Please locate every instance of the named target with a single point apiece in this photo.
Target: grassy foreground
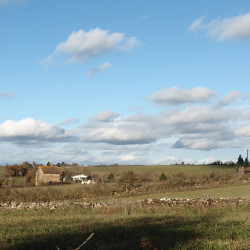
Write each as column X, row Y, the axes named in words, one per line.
column 143, row 228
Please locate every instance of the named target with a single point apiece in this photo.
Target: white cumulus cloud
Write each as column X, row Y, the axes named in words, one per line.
column 176, row 96
column 83, row 45
column 129, row 130
column 30, row 129
column 237, row 27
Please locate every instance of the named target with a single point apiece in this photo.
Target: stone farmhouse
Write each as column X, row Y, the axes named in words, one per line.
column 47, row 175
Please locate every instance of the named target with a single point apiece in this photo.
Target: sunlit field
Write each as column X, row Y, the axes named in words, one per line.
column 158, row 169
column 158, row 227
column 124, row 218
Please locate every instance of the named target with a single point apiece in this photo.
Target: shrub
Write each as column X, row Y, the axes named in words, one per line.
column 18, row 169
column 111, row 177
column 163, row 177
column 128, row 179
column 66, row 176
column 31, row 176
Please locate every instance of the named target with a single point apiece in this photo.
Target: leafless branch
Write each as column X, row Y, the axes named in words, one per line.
column 85, row 241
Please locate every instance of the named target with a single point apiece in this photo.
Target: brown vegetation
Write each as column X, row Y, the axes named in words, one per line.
column 126, row 184
column 17, row 170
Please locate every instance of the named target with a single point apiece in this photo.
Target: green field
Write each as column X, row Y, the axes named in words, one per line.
column 162, row 228
column 157, row 169
column 225, row 192
column 242, row 191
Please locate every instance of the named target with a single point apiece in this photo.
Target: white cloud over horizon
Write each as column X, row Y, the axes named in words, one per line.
column 237, row 27
column 166, row 160
column 200, row 125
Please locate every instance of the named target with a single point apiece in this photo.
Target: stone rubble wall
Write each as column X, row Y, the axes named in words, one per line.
column 49, row 205
column 169, row 202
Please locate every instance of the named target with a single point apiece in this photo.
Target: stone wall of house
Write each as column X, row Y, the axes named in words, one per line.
column 42, row 178
column 50, row 178
column 39, row 176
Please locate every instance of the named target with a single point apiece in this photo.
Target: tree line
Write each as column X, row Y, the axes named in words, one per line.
column 17, row 170
column 243, row 163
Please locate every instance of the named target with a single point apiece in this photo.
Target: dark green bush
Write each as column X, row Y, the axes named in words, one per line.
column 163, row 177
column 111, row 177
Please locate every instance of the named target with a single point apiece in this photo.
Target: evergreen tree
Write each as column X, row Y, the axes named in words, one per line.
column 246, row 162
column 240, row 161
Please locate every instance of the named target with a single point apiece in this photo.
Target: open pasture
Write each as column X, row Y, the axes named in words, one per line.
column 242, row 191
column 218, row 192
column 232, row 191
column 156, row 169
column 158, row 227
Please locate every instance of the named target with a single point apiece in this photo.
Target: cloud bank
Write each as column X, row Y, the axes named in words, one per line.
column 204, row 123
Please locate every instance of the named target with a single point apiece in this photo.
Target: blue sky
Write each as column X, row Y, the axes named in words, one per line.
column 128, row 82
